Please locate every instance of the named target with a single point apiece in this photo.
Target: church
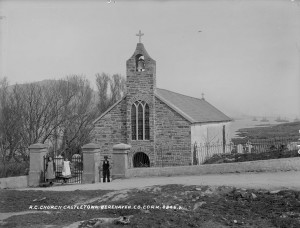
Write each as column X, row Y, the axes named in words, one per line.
column 161, row 126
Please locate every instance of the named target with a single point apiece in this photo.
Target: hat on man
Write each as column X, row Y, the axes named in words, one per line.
column 105, row 156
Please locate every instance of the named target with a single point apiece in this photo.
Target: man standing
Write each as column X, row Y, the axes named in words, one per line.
column 106, row 169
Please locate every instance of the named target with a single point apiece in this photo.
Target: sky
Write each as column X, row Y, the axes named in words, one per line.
column 244, row 55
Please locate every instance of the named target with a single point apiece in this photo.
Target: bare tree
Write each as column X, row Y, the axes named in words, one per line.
column 117, row 88
column 110, row 90
column 10, row 121
column 59, row 111
column 81, row 111
column 43, row 111
column 102, row 81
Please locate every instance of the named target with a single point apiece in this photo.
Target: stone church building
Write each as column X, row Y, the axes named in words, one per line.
column 160, row 125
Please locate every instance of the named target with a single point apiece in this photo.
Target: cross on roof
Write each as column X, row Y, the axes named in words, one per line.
column 140, row 35
column 202, row 95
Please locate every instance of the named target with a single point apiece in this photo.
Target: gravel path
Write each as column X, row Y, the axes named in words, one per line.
column 270, row 181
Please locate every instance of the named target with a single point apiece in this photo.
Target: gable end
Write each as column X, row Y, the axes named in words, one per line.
column 108, row 110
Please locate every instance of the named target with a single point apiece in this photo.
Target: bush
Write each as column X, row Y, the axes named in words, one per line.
column 13, row 169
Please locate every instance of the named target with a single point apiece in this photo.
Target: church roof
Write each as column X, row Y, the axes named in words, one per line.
column 193, row 109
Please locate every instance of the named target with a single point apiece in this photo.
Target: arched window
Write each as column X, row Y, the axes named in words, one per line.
column 140, row 129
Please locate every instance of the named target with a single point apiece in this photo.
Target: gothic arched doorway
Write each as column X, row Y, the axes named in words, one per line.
column 141, row 159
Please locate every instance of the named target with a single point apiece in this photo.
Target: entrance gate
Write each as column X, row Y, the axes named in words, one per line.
column 76, row 167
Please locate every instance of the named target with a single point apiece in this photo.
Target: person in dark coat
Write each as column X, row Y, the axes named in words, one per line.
column 106, row 169
column 50, row 170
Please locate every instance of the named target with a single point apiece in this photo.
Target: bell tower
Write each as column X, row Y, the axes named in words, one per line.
column 140, row 85
column 141, row 71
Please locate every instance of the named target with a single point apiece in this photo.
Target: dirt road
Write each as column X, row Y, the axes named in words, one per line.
column 270, row 181
column 203, row 206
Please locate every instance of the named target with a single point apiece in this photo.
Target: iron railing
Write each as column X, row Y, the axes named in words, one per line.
column 76, row 166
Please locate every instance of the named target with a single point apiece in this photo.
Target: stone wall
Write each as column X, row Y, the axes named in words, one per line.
column 111, row 129
column 14, row 182
column 273, row 165
column 141, row 86
column 145, row 146
column 173, row 137
column 170, row 133
column 170, row 139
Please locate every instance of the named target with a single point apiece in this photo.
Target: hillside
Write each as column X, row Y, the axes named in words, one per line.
column 285, row 130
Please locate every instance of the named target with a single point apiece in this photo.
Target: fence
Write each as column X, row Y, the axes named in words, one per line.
column 206, row 151
column 76, row 168
column 201, row 152
column 197, row 154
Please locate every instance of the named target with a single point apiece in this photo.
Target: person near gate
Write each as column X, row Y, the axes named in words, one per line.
column 66, row 171
column 106, row 169
column 50, row 170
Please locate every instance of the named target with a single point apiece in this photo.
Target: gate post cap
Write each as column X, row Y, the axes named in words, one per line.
column 121, row 146
column 91, row 146
column 38, row 146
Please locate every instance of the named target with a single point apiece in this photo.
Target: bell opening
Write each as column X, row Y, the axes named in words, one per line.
column 140, row 63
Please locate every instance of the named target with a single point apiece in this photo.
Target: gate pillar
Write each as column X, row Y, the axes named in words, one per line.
column 91, row 162
column 36, row 163
column 120, row 160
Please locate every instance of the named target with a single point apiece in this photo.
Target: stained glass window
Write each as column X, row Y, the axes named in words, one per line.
column 147, row 127
column 140, row 121
column 133, row 122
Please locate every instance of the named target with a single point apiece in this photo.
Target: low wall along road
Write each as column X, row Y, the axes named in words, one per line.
column 272, row 165
column 14, row 182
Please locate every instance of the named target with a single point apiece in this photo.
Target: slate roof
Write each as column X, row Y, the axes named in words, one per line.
column 194, row 109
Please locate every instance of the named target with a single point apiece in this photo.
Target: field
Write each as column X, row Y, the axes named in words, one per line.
column 285, row 130
column 269, row 142
column 196, row 206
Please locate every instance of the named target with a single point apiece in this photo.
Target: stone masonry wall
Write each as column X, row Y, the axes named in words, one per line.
column 173, row 137
column 273, row 165
column 111, row 129
column 141, row 86
column 170, row 134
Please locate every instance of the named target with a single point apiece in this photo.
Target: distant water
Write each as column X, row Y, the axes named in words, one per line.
column 249, row 123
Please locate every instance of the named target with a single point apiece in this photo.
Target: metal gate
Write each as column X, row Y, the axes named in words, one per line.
column 76, row 167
